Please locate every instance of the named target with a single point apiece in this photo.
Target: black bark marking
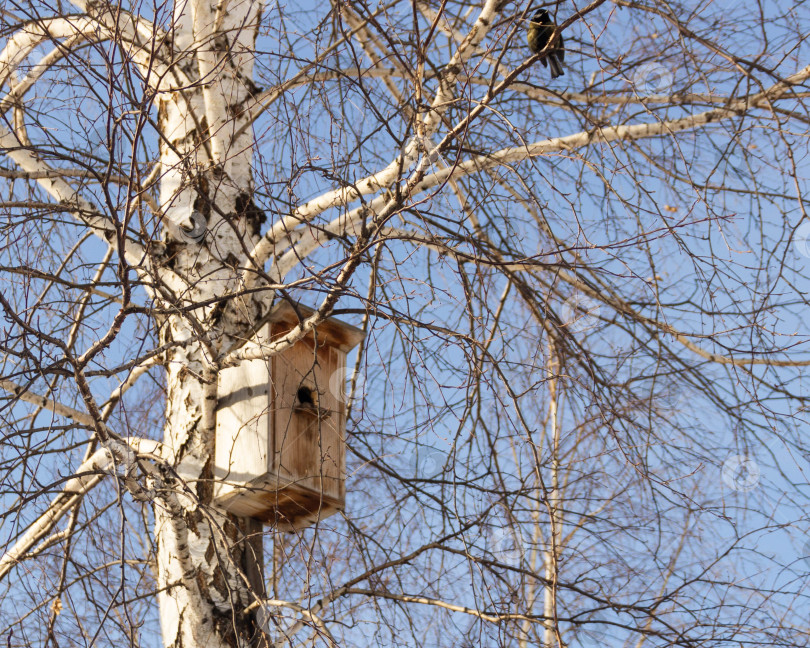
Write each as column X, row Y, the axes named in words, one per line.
column 247, row 209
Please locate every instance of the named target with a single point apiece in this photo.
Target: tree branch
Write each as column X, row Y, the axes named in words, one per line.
column 89, row 474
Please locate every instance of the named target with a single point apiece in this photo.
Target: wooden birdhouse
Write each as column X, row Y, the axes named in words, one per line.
column 280, row 435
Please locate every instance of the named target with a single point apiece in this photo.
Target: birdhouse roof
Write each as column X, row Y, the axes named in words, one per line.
column 332, row 331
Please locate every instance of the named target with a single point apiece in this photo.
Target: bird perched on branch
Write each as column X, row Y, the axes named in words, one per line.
column 540, row 30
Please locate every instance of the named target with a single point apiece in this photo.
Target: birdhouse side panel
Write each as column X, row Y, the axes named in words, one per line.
column 243, row 425
column 336, row 399
column 330, row 379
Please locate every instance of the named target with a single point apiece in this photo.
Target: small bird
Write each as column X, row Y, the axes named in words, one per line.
column 540, row 30
column 304, row 396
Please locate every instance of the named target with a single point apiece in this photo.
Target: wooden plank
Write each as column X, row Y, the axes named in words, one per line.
column 339, row 394
column 289, row 506
column 243, row 425
column 308, row 447
column 332, row 331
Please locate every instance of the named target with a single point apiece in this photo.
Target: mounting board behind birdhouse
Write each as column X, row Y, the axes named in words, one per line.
column 280, row 440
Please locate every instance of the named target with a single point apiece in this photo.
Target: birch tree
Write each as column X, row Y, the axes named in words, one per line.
column 578, row 416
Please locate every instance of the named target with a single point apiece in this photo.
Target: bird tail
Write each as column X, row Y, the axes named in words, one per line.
column 556, row 66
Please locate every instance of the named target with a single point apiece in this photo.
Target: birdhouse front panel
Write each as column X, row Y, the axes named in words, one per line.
column 308, row 441
column 280, row 442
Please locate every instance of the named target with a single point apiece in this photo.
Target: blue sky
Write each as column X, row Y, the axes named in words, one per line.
column 631, row 211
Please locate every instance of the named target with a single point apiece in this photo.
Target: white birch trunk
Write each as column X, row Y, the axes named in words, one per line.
column 206, row 194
